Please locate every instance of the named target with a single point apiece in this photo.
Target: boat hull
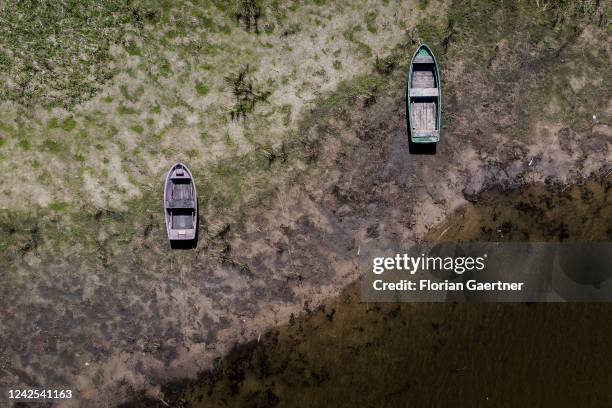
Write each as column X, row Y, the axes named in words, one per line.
column 180, row 204
column 423, row 97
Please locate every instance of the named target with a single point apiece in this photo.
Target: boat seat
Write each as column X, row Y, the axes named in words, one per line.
column 423, row 60
column 181, row 204
column 423, row 133
column 424, row 92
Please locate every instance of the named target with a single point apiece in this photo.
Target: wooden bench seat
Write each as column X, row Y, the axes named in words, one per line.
column 423, row 60
column 182, row 203
column 423, row 133
column 423, row 78
column 424, row 92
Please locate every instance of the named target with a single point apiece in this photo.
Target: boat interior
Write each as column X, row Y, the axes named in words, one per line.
column 423, row 95
column 181, row 203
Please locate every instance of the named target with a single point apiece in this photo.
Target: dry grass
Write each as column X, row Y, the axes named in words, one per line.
column 147, row 81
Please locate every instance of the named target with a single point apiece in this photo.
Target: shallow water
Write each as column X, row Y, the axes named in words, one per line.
column 538, row 213
column 348, row 353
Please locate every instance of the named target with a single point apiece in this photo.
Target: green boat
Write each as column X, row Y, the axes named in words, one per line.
column 423, row 100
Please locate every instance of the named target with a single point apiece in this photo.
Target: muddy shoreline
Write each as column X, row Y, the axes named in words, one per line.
column 357, row 353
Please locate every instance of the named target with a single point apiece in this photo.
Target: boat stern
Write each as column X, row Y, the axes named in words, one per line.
column 425, row 136
column 181, row 235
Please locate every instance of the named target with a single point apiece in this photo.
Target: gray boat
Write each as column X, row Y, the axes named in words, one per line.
column 180, row 204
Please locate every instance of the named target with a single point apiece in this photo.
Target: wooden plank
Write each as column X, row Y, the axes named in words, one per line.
column 423, row 79
column 182, row 191
column 423, row 60
column 423, row 116
column 423, row 91
column 423, row 133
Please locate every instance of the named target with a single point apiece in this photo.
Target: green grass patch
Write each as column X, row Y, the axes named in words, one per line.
column 69, row 124
column 286, row 112
column 351, row 33
column 53, row 123
column 58, row 206
column 348, row 91
column 7, row 128
column 131, row 96
column 126, row 110
column 202, row 89
column 137, row 128
column 25, row 144
column 370, row 21
column 64, row 45
column 165, row 69
column 132, row 48
column 52, row 145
